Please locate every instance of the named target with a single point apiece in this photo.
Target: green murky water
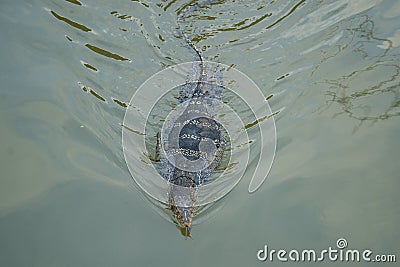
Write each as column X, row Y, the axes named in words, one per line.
column 68, row 69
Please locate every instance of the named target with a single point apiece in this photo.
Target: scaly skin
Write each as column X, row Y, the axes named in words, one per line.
column 201, row 144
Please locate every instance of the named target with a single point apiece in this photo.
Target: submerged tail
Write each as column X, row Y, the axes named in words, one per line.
column 184, row 12
column 200, row 72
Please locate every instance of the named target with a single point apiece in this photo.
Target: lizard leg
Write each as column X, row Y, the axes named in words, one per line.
column 158, row 147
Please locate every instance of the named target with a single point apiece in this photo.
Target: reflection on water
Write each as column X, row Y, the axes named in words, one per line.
column 329, row 69
column 369, row 90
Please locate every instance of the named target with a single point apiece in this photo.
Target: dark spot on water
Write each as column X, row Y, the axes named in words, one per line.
column 282, row 77
column 87, row 65
column 132, row 130
column 286, row 15
column 76, row 2
column 251, row 124
column 97, row 95
column 122, row 104
column 121, row 16
column 83, row 87
column 70, row 22
column 105, row 53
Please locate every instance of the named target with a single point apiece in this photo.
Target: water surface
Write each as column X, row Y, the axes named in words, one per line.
column 68, row 69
